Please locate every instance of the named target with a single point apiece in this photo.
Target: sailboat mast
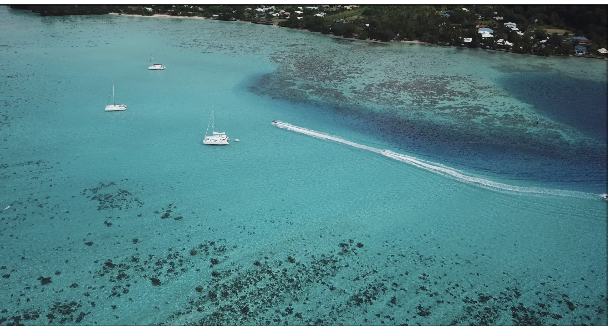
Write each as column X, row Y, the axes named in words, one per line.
column 113, row 100
column 213, row 124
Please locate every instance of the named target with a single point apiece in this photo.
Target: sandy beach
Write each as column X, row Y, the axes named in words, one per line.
column 157, row 16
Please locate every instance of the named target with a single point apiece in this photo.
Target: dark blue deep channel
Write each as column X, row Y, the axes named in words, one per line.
column 575, row 102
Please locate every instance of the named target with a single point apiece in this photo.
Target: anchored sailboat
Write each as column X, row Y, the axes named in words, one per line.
column 216, row 138
column 115, row 107
column 155, row 66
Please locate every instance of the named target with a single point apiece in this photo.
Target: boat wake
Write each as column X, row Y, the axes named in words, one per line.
column 440, row 169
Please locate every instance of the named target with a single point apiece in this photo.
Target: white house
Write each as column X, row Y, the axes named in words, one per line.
column 467, row 39
column 321, row 14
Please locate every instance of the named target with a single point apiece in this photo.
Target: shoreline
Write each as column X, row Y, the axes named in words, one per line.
column 345, row 38
column 157, row 16
column 273, row 25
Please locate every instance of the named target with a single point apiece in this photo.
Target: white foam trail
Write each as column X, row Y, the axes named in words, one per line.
column 439, row 169
column 321, row 135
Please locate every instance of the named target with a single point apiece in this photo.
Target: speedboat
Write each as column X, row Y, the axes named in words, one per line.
column 604, row 196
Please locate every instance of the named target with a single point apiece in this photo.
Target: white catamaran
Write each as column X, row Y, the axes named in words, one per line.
column 216, row 138
column 115, row 107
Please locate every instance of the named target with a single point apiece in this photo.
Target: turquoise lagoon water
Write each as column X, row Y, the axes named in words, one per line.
column 492, row 215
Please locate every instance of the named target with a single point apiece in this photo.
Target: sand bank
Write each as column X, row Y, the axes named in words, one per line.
column 157, row 16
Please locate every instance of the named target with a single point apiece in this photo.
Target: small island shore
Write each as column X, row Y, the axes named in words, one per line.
column 275, row 25
column 334, row 36
column 536, row 30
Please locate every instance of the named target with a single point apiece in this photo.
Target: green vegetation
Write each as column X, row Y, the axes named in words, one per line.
column 348, row 15
column 435, row 24
column 450, row 25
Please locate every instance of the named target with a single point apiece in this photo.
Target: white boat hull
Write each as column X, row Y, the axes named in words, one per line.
column 116, row 107
column 216, row 140
column 156, row 66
